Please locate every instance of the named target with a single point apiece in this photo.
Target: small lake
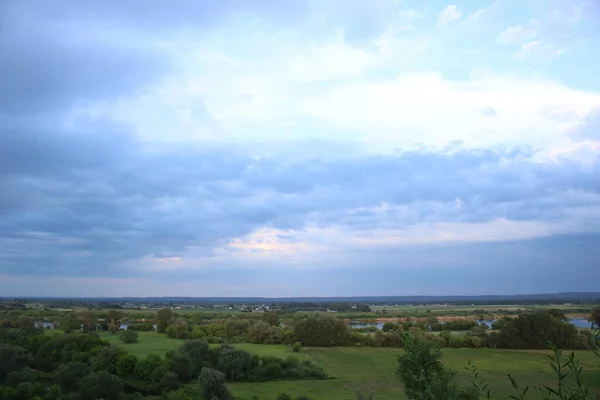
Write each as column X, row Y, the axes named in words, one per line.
column 44, row 325
column 578, row 322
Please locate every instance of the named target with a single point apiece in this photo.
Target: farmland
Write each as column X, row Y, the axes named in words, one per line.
column 373, row 368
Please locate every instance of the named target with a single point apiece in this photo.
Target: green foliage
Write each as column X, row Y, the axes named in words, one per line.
column 297, row 347
column 113, row 327
column 424, row 376
column 198, row 351
column 126, row 365
column 146, row 366
column 263, row 332
column 141, row 327
column 100, row 385
column 163, row 317
column 12, row 358
column 537, row 331
column 107, row 359
column 271, row 318
column 595, row 317
column 53, row 392
column 128, row 336
column 68, row 375
column 283, row 396
column 568, row 380
column 69, row 325
column 183, row 366
column 322, row 331
column 213, row 385
column 168, row 381
column 178, row 330
column 235, row 364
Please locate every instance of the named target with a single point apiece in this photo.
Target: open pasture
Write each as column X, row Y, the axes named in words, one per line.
column 374, row 368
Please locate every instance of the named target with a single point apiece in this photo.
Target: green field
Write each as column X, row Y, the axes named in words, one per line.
column 148, row 343
column 374, row 368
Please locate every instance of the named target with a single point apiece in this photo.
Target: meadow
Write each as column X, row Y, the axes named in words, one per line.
column 374, row 368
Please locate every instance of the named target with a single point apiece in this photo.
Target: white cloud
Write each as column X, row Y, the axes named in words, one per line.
column 540, row 49
column 450, row 14
column 517, row 34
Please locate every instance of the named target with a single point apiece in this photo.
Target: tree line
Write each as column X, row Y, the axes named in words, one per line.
column 80, row 366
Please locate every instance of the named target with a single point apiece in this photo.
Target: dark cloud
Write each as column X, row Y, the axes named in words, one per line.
column 47, row 66
column 77, row 200
column 70, row 52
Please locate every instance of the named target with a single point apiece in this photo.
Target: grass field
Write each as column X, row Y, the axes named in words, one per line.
column 148, row 343
column 374, row 368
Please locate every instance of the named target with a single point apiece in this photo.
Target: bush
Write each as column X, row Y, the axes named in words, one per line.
column 100, row 385
column 213, row 385
column 297, row 347
column 126, row 365
column 424, row 376
column 146, row 366
column 128, row 336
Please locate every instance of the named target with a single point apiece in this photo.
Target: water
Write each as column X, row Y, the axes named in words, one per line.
column 578, row 322
column 44, row 325
column 379, row 326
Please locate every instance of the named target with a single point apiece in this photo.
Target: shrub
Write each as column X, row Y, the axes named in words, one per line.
column 128, row 336
column 297, row 347
column 126, row 365
column 213, row 385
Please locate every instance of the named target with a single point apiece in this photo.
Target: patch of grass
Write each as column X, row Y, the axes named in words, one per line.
column 374, row 368
column 148, row 343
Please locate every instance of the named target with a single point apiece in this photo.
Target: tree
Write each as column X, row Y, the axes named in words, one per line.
column 197, row 350
column 235, row 364
column 213, row 385
column 424, row 376
column 89, row 320
column 163, row 317
column 68, row 375
column 322, row 331
column 146, row 366
column 536, row 331
column 179, row 329
column 167, row 382
column 128, row 336
column 69, row 325
column 126, row 365
column 183, row 366
column 595, row 317
column 113, row 327
column 107, row 359
column 558, row 314
column 271, row 318
column 12, row 358
column 114, row 315
column 101, row 385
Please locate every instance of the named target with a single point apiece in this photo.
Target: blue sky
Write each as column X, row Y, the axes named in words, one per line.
column 301, row 148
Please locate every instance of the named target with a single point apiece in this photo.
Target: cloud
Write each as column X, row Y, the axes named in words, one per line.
column 226, row 145
column 187, row 207
column 518, row 34
column 449, row 14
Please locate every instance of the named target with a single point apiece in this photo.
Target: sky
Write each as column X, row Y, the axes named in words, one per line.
column 299, row 148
